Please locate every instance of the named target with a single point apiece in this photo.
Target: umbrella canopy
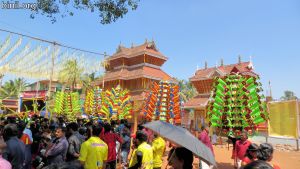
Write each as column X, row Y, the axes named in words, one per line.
column 182, row 137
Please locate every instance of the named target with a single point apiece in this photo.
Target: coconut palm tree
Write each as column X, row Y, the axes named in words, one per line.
column 187, row 90
column 86, row 81
column 71, row 74
column 12, row 88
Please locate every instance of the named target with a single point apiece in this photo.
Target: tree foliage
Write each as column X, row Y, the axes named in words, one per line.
column 288, row 95
column 86, row 81
column 109, row 10
column 71, row 74
column 187, row 90
column 12, row 88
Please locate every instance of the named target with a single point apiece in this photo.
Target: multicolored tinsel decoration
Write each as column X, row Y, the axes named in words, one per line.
column 93, row 101
column 163, row 103
column 116, row 104
column 235, row 104
column 67, row 104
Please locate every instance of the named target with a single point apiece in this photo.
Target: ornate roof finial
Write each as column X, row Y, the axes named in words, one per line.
column 250, row 66
column 222, row 62
column 119, row 48
column 240, row 59
column 205, row 65
column 146, row 40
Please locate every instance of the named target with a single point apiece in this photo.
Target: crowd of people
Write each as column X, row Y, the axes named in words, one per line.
column 40, row 143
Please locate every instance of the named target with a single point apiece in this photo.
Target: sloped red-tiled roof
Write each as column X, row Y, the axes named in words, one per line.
column 243, row 68
column 146, row 48
column 198, row 101
column 127, row 74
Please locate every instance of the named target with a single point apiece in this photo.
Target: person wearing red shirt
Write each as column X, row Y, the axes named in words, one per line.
column 241, row 147
column 205, row 139
column 110, row 139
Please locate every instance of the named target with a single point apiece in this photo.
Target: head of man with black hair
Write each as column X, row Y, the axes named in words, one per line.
column 60, row 132
column 140, row 127
column 258, row 164
column 140, row 138
column 107, row 127
column 244, row 136
column 72, row 127
column 265, row 152
column 96, row 130
column 181, row 158
column 252, row 151
column 10, row 130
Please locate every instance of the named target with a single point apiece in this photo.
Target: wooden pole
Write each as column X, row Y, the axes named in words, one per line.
column 298, row 124
column 267, row 134
column 134, row 129
column 51, row 78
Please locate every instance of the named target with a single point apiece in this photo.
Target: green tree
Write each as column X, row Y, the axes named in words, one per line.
column 71, row 74
column 109, row 10
column 12, row 88
column 87, row 80
column 187, row 90
column 288, row 95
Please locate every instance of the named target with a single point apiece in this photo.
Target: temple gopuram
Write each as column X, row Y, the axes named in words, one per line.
column 134, row 68
column 196, row 108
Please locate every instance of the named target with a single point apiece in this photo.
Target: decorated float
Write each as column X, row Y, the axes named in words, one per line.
column 236, row 104
column 67, row 104
column 114, row 104
column 163, row 103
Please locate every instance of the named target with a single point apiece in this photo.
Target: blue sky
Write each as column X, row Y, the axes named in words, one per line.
column 189, row 33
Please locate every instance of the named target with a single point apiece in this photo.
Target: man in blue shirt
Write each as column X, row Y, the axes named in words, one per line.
column 58, row 150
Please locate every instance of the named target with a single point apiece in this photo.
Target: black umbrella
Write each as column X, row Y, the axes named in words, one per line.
column 182, row 137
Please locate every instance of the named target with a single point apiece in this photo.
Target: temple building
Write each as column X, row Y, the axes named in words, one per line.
column 196, row 108
column 134, row 68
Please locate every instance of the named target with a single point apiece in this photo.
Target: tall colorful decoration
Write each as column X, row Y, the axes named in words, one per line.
column 116, row 104
column 93, row 101
column 236, row 105
column 163, row 103
column 67, row 104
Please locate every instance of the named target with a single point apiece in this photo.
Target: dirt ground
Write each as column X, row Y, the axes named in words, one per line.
column 286, row 160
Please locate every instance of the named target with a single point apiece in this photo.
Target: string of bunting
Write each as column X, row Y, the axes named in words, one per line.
column 32, row 58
